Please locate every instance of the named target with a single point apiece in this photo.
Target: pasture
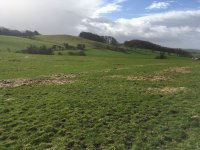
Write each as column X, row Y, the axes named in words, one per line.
column 104, row 100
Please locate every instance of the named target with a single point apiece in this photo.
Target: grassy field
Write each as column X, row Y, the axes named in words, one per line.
column 105, row 100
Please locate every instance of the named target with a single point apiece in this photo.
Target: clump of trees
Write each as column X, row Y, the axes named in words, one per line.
column 80, row 52
column 32, row 49
column 80, row 46
column 66, row 46
column 95, row 37
column 57, row 48
column 9, row 32
column 154, row 47
column 44, row 50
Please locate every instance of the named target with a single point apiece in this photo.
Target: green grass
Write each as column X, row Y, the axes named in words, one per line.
column 99, row 110
column 11, row 43
column 72, row 40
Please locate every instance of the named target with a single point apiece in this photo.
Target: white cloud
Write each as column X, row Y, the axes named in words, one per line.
column 175, row 28
column 109, row 8
column 159, row 5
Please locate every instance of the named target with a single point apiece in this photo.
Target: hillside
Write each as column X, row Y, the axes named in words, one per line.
column 72, row 40
column 155, row 47
column 13, row 43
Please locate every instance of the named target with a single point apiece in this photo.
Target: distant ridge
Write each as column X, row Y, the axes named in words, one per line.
column 10, row 32
column 155, row 47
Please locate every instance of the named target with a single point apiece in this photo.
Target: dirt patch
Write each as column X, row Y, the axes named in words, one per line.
column 142, row 78
column 10, row 99
column 167, row 90
column 121, row 68
column 139, row 65
column 106, row 70
column 115, row 68
column 58, row 79
column 148, row 78
column 182, row 70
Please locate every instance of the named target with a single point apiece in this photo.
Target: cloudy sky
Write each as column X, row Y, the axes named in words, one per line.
column 174, row 23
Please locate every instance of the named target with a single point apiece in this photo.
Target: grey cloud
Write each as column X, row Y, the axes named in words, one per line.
column 47, row 16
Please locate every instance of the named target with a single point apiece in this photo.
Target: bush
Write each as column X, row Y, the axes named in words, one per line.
column 69, row 47
column 57, row 48
column 32, row 49
column 80, row 53
column 59, row 53
column 80, row 46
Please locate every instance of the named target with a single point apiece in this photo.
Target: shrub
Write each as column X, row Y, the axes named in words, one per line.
column 69, row 47
column 57, row 48
column 80, row 53
column 32, row 49
column 59, row 53
column 80, row 46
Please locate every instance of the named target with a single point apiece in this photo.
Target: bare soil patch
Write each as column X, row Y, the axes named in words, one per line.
column 167, row 90
column 182, row 70
column 115, row 68
column 142, row 78
column 139, row 65
column 57, row 79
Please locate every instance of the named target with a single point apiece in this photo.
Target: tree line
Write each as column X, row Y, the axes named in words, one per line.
column 154, row 47
column 44, row 50
column 103, row 39
column 9, row 32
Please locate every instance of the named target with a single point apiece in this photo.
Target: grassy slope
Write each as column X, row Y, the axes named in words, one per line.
column 18, row 43
column 72, row 40
column 97, row 111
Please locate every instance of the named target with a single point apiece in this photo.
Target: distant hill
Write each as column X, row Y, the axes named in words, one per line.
column 10, row 32
column 72, row 40
column 9, row 40
column 155, row 47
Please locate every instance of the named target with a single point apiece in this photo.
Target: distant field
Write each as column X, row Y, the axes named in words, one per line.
column 105, row 100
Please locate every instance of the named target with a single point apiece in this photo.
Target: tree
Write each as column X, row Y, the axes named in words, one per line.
column 110, row 40
column 92, row 36
column 80, row 46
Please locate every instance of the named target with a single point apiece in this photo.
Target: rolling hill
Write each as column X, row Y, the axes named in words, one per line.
column 14, row 43
column 72, row 40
